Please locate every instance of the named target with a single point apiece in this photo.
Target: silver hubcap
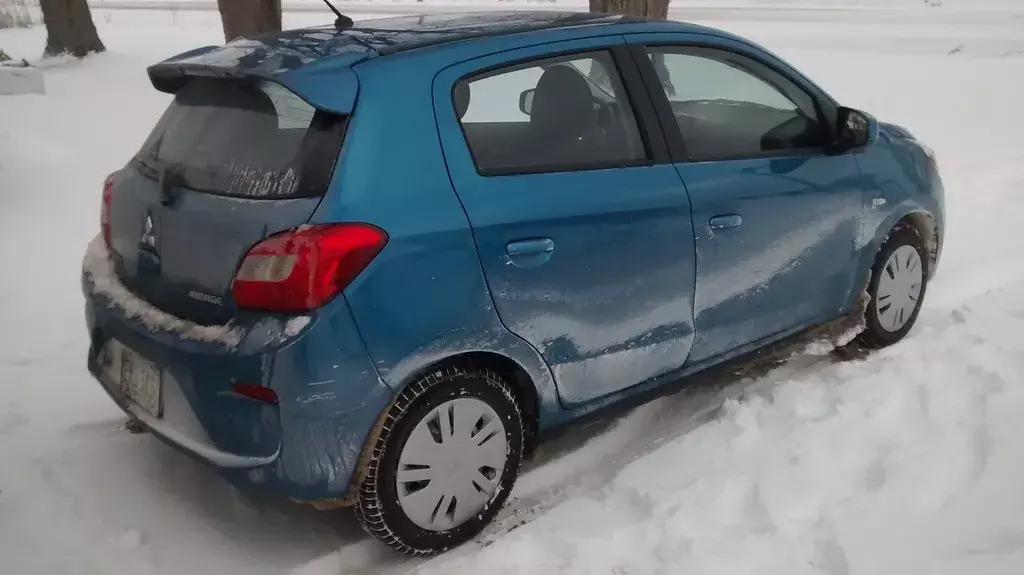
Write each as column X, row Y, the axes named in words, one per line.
column 899, row 288
column 451, row 464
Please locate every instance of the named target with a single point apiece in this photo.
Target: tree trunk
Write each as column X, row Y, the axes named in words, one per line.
column 69, row 28
column 249, row 17
column 655, row 9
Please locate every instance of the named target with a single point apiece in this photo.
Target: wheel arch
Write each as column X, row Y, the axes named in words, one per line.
column 916, row 218
column 913, row 230
column 924, row 223
column 528, row 396
column 912, row 215
column 523, row 386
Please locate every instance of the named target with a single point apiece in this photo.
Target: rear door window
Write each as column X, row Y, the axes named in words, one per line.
column 552, row 115
column 243, row 138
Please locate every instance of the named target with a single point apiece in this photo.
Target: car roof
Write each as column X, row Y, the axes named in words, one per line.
column 296, row 58
column 398, row 34
column 289, row 50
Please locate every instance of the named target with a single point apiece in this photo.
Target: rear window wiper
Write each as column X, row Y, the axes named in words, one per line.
column 170, row 178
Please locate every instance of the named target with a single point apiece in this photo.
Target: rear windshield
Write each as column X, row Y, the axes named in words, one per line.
column 243, row 138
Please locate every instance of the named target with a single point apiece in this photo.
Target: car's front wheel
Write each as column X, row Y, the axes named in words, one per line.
column 897, row 288
column 444, row 463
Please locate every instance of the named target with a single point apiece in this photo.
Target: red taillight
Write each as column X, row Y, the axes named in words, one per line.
column 108, row 191
column 253, row 391
column 302, row 269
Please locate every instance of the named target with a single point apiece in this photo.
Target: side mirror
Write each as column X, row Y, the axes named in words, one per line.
column 853, row 128
column 526, row 101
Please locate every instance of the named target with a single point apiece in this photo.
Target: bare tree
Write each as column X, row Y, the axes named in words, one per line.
column 69, row 28
column 657, row 9
column 14, row 14
column 249, row 17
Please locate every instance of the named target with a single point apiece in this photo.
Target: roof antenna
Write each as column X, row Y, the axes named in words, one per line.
column 342, row 22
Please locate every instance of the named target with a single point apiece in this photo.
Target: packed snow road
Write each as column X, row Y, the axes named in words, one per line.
column 904, row 462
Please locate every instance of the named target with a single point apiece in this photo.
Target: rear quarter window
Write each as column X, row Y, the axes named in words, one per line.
column 243, row 138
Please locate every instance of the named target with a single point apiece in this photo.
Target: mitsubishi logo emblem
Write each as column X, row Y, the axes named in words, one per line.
column 149, row 232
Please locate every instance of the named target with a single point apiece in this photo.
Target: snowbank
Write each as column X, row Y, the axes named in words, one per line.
column 793, row 477
column 19, row 80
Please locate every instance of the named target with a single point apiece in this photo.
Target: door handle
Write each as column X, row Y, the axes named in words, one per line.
column 530, row 247
column 729, row 221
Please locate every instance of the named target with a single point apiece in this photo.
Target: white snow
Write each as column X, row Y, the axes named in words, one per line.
column 821, row 471
column 17, row 80
column 904, row 462
column 296, row 324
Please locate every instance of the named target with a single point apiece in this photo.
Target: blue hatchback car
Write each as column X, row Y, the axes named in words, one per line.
column 367, row 263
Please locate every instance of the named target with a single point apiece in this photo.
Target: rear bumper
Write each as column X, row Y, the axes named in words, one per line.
column 178, row 424
column 307, row 446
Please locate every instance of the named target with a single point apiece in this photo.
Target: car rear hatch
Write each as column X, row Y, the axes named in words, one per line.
column 236, row 156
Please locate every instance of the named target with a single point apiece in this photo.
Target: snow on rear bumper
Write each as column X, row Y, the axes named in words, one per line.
column 306, row 447
column 99, row 280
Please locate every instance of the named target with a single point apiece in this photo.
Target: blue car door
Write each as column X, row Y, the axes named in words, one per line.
column 775, row 214
column 580, row 219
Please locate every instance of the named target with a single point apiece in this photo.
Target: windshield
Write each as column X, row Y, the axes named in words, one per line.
column 243, row 138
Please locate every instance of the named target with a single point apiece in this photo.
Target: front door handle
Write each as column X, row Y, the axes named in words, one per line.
column 729, row 221
column 530, row 253
column 530, row 247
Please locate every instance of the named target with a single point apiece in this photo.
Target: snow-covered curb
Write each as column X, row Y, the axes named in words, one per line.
column 99, row 270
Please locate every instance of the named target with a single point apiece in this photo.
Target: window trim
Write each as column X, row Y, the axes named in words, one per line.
column 674, row 136
column 645, row 117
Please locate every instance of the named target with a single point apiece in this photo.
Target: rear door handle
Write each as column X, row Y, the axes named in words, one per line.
column 530, row 247
column 729, row 221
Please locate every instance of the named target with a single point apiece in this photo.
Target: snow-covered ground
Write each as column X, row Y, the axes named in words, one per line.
column 906, row 462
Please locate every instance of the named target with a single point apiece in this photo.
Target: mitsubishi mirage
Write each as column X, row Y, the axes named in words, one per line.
column 367, row 264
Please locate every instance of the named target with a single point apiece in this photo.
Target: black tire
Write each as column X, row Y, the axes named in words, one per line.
column 377, row 506
column 875, row 336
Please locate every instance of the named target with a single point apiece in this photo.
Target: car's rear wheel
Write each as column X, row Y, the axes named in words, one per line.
column 899, row 278
column 444, row 463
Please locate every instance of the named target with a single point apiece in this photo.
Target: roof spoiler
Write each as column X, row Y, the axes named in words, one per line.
column 254, row 59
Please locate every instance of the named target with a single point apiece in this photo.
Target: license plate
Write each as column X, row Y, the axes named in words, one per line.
column 140, row 382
